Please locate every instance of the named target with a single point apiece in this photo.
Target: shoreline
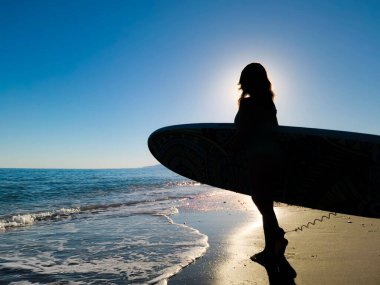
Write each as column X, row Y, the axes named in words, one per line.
column 218, row 217
column 339, row 250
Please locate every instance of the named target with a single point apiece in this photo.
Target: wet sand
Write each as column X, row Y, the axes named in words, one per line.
column 340, row 250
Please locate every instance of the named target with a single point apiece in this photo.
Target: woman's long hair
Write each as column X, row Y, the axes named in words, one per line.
column 254, row 82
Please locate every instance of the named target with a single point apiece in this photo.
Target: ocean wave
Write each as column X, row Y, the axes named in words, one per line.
column 187, row 257
column 183, row 183
column 94, row 225
column 22, row 220
column 131, row 253
column 158, row 207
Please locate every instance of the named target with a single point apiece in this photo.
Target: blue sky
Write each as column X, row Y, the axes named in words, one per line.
column 84, row 83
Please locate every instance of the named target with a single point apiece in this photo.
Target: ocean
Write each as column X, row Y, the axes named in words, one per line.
column 95, row 226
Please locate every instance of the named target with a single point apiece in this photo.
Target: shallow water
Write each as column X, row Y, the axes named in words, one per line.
column 95, row 226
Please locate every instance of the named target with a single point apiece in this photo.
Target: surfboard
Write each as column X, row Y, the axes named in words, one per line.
column 321, row 169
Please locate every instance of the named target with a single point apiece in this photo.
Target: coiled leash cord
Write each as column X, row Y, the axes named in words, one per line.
column 309, row 224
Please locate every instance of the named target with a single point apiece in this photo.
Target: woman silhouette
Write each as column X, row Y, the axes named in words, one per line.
column 255, row 122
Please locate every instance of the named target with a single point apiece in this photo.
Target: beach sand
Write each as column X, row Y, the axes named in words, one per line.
column 340, row 250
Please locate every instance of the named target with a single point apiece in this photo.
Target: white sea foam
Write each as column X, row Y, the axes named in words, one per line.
column 140, row 266
column 183, row 183
column 153, row 256
column 186, row 258
column 22, row 220
column 29, row 219
column 38, row 283
column 168, row 212
column 120, row 231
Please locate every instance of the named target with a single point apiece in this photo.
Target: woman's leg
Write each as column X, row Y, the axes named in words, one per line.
column 263, row 175
column 274, row 235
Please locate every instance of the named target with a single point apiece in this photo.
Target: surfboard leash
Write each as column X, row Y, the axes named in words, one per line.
column 309, row 224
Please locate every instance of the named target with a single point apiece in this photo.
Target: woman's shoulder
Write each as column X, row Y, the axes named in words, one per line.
column 252, row 102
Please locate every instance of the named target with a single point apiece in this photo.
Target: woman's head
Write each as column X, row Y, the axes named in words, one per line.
column 254, row 82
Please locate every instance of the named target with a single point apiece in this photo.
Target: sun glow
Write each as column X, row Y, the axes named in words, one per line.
column 224, row 92
column 281, row 75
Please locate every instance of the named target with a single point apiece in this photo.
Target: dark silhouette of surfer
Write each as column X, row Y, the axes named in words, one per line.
column 254, row 144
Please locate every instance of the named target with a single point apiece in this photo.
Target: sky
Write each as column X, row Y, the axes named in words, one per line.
column 84, row 83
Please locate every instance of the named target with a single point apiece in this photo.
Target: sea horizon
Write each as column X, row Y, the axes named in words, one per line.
column 76, row 168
